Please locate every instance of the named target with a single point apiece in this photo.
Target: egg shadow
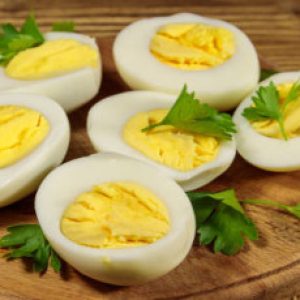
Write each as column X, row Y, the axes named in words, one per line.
column 100, row 287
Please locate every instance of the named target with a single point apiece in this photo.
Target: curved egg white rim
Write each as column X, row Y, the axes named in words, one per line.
column 117, row 168
column 59, row 126
column 106, row 130
column 261, row 151
column 7, row 83
column 144, row 30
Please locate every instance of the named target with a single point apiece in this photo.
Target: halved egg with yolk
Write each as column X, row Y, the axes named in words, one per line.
column 34, row 137
column 115, row 125
column 115, row 219
column 261, row 143
column 66, row 67
column 213, row 57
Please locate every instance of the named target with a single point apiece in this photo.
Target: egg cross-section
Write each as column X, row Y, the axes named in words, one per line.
column 213, row 57
column 119, row 222
column 34, row 137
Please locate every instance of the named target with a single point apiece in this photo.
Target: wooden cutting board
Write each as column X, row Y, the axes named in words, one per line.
column 266, row 269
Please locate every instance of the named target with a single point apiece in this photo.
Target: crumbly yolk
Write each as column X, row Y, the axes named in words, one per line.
column 52, row 58
column 271, row 128
column 116, row 215
column 174, row 148
column 192, row 46
column 21, row 131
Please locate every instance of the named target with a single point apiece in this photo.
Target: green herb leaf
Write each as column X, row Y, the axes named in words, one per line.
column 293, row 95
column 31, row 28
column 21, row 42
column 266, row 73
column 13, row 41
column 221, row 221
column 29, row 241
column 292, row 209
column 55, row 261
column 9, row 30
column 266, row 105
column 189, row 114
column 67, row 26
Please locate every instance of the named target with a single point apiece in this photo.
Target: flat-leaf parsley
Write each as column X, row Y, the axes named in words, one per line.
column 189, row 114
column 28, row 241
column 221, row 220
column 266, row 105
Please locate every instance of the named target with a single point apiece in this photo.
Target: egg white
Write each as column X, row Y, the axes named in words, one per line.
column 223, row 86
column 21, row 178
column 71, row 89
column 106, row 121
column 265, row 152
column 126, row 266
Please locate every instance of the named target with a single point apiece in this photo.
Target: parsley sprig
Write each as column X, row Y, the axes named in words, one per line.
column 13, row 41
column 189, row 114
column 266, row 73
column 292, row 209
column 67, row 26
column 222, row 221
column 266, row 105
column 28, row 241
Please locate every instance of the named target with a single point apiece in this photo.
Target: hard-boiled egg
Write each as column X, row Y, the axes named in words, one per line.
column 66, row 67
column 34, row 137
column 121, row 266
column 261, row 143
column 213, row 57
column 191, row 160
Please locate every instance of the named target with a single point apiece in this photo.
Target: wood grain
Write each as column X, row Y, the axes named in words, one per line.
column 268, row 269
column 273, row 26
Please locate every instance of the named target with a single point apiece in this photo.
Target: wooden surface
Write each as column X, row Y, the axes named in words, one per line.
column 266, row 269
column 273, row 25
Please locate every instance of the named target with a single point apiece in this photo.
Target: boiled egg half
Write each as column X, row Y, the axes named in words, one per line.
column 34, row 137
column 214, row 58
column 115, row 219
column 66, row 67
column 115, row 125
column 261, row 143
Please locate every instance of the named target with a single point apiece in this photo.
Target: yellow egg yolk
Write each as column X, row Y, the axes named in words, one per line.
column 174, row 148
column 291, row 115
column 116, row 215
column 192, row 46
column 52, row 58
column 21, row 131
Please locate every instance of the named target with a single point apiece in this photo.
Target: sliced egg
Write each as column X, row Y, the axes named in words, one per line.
column 69, row 78
column 34, row 137
column 121, row 266
column 213, row 57
column 108, row 118
column 266, row 149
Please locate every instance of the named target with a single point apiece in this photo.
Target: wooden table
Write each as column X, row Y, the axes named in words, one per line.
column 273, row 25
column 274, row 28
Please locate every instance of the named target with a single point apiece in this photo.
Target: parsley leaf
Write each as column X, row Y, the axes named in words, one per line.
column 68, row 26
column 13, row 41
column 266, row 73
column 267, row 105
column 292, row 209
column 29, row 241
column 293, row 94
column 221, row 220
column 31, row 28
column 189, row 114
